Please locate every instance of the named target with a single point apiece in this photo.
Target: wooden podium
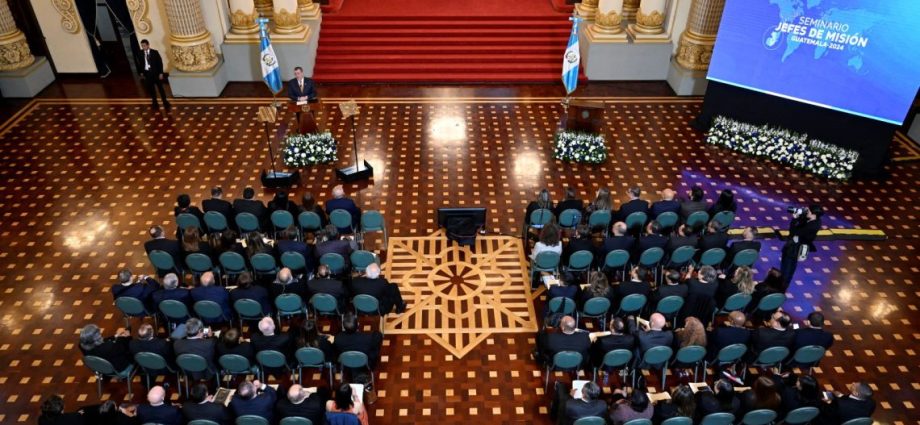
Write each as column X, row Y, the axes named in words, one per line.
column 306, row 117
column 585, row 116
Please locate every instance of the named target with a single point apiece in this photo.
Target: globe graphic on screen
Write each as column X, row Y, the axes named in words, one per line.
column 771, row 38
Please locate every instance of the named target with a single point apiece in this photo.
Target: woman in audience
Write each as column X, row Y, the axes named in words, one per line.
column 227, row 241
column 110, row 413
column 721, row 399
column 726, row 202
column 281, row 202
column 114, row 350
column 308, row 203
column 344, row 401
column 231, row 343
column 681, row 404
column 742, row 282
column 192, row 243
column 53, row 413
column 637, row 406
column 802, row 391
column 598, row 287
column 693, row 333
column 543, row 201
column 601, row 202
column 550, row 240
column 763, row 395
column 255, row 244
column 695, row 203
column 308, row 335
column 771, row 284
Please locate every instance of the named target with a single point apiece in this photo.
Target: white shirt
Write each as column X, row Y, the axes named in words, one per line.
column 147, row 60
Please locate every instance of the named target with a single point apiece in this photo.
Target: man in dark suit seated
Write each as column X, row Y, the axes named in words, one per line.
column 286, row 283
column 248, row 204
column 171, row 291
column 303, row 403
column 634, row 205
column 637, row 284
column 666, row 204
column 618, row 240
column 776, row 333
column 140, row 287
column 201, row 406
column 199, row 343
column 301, row 88
column 574, row 405
column 714, row 238
column 651, row 334
column 158, row 242
column 322, row 283
column 114, row 349
column 340, row 202
column 569, row 339
column 694, row 204
column 386, row 293
column 254, row 398
column 147, row 342
column 617, row 339
column 747, row 242
column 247, row 290
column 581, row 242
column 732, row 331
column 208, row 291
column 705, row 283
column 684, row 236
column 330, row 242
column 844, row 407
column 288, row 243
column 157, row 410
column 672, row 286
column 268, row 339
column 569, row 202
column 353, row 340
column 218, row 204
column 651, row 239
column 813, row 333
column 53, row 413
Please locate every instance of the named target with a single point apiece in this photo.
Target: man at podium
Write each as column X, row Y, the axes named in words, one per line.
column 301, row 89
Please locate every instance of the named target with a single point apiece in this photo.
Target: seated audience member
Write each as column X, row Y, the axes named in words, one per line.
column 255, row 244
column 618, row 240
column 601, row 202
column 598, row 287
column 201, row 406
column 636, row 406
column 341, row 202
column 651, row 239
column 570, row 202
column 764, row 394
column 159, row 242
column 573, row 405
column 226, row 242
column 705, row 283
column 771, row 284
column 115, row 350
column 351, row 339
column 746, row 242
column 148, row 342
column 775, row 333
column 110, row 413
column 344, row 401
column 713, row 238
column 637, row 284
column 684, row 236
column 323, row 283
column 288, row 243
column 844, row 407
column 209, row 291
column 666, row 204
column 231, row 343
column 247, row 290
column 254, row 398
column 732, row 331
column 330, row 241
column 801, row 391
column 193, row 244
column 157, row 410
column 139, row 287
column 171, row 291
column 184, row 206
column 52, row 413
column 248, row 204
column 693, row 333
column 268, row 339
column 197, row 342
column 726, row 202
column 543, row 202
column 550, row 325
column 567, row 286
column 218, row 204
column 681, row 404
column 373, row 284
column 308, row 204
column 694, row 204
column 813, row 333
column 307, row 335
column 550, row 241
column 672, row 286
column 742, row 282
column 722, row 398
column 581, row 241
column 635, row 204
column 569, row 339
column 304, row 403
column 617, row 339
column 281, row 202
column 286, row 283
column 652, row 334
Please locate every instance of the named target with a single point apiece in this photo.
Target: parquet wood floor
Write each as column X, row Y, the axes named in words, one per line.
column 81, row 181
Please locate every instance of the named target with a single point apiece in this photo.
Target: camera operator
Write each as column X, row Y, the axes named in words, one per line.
column 802, row 232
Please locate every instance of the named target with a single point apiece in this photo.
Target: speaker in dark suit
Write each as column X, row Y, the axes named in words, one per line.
column 301, row 88
column 151, row 67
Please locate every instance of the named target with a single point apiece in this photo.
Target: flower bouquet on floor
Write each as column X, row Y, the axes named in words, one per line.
column 301, row 150
column 581, row 147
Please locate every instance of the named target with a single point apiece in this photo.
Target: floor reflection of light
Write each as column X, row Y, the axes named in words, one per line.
column 527, row 167
column 844, row 296
column 881, row 310
column 83, row 236
column 447, row 129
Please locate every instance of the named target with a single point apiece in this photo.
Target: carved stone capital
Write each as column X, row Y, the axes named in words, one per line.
column 287, row 22
column 649, row 23
column 244, row 23
column 695, row 52
column 70, row 21
column 587, row 9
column 139, row 9
column 608, row 23
column 15, row 52
column 194, row 54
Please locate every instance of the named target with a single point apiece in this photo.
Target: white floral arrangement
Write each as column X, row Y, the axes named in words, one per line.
column 580, row 147
column 301, row 150
column 796, row 150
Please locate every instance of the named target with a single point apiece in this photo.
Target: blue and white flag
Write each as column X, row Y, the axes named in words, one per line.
column 270, row 71
column 571, row 59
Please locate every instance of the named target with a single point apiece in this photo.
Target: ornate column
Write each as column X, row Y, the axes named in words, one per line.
column 192, row 48
column 243, row 16
column 649, row 18
column 308, row 9
column 629, row 9
column 699, row 37
column 264, row 7
column 587, row 9
column 287, row 18
column 14, row 50
column 607, row 22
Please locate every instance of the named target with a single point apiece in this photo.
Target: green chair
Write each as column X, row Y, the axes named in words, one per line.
column 546, row 261
column 235, row 364
column 566, row 361
column 184, row 221
column 736, row 302
column 651, row 258
column 294, row 261
column 639, row 422
column 295, row 420
column 248, row 309
column 569, row 219
column 718, row 419
column 174, row 311
column 133, row 307
column 198, row 264
column 103, row 369
column 352, row 360
column 580, row 261
column 541, row 217
column 335, row 262
column 679, row 420
column 681, row 256
column 669, row 307
column 724, row 219
column 631, row 304
column 289, row 305
column 594, row 308
column 372, row 221
column 202, row 422
column 745, row 257
column 600, row 218
column 759, row 417
column 728, row 355
column 667, row 220
column 655, row 358
column 193, row 363
column 859, row 421
column 325, row 305
column 712, row 257
column 770, row 303
column 802, row 415
column 210, row 312
column 770, row 357
column 251, row 420
column 697, row 220
column 615, row 359
column 270, row 361
column 341, row 219
column 690, row 356
column 590, row 420
column 808, row 356
column 263, row 264
column 247, row 223
column 163, row 263
column 360, row 259
column 232, row 264
column 311, row 357
column 281, row 220
column 368, row 305
column 635, row 221
column 617, row 259
column 563, row 305
column 309, row 221
column 215, row 221
column 153, row 364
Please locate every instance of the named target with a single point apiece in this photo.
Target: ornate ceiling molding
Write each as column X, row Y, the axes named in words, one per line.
column 138, row 9
column 70, row 21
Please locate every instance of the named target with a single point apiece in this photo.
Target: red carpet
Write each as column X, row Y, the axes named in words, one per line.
column 442, row 41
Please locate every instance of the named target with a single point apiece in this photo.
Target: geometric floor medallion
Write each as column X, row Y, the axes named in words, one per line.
column 459, row 297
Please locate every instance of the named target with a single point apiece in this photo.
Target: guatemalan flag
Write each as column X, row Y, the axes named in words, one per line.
column 571, row 59
column 270, row 71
